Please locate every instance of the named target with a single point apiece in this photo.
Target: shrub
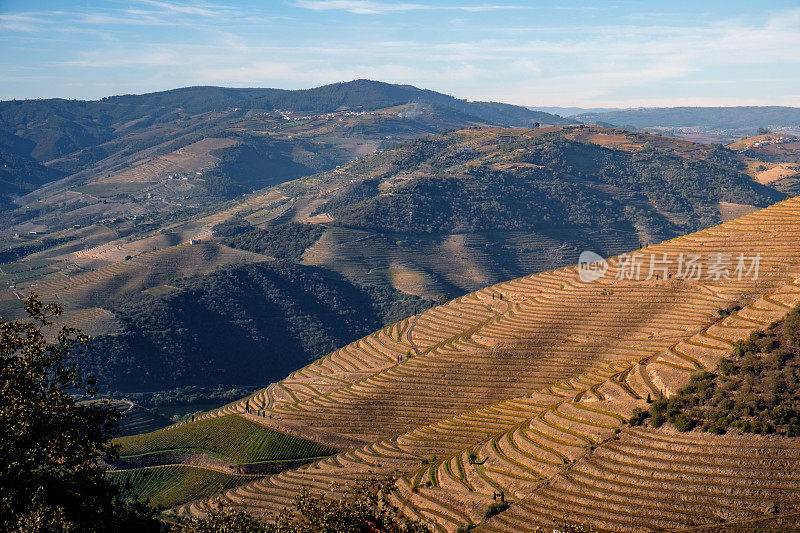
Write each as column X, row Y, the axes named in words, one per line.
column 726, row 367
column 755, row 389
column 791, row 328
column 716, row 429
column 638, row 417
column 495, row 509
column 54, row 437
column 658, row 407
column 365, row 507
column 657, row 419
column 683, row 422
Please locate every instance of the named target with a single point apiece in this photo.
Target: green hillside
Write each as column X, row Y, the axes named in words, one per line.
column 549, row 183
column 172, row 485
column 232, row 438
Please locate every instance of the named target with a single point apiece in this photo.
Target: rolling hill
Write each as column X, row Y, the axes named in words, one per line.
column 524, row 388
column 502, row 203
column 213, row 236
column 538, row 181
column 773, row 159
column 150, row 160
column 65, row 133
column 276, row 316
column 443, row 215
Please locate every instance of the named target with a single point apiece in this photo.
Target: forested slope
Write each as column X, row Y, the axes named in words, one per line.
column 240, row 325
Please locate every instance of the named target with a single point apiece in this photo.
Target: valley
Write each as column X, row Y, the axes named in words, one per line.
column 397, row 229
column 469, row 388
column 544, row 277
column 429, row 248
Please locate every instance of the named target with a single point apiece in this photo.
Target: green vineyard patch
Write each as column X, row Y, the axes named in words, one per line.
column 232, row 438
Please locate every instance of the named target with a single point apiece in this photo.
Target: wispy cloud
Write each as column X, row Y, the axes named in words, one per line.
column 195, row 8
column 368, row 7
column 542, row 57
column 148, row 58
column 586, row 8
column 605, row 65
column 154, row 13
column 18, row 23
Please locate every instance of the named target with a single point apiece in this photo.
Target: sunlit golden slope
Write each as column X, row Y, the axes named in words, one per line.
column 533, row 375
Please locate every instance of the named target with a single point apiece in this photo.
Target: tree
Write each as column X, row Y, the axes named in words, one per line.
column 53, row 438
column 220, row 518
column 364, row 508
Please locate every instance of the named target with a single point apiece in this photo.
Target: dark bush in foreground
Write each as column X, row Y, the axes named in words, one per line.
column 365, row 507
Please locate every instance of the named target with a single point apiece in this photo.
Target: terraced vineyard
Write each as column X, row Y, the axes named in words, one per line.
column 428, row 266
column 170, row 485
column 136, row 419
column 234, row 438
column 520, row 387
column 517, row 388
column 659, row 479
column 82, row 289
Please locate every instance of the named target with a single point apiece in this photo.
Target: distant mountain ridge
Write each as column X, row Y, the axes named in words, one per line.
column 743, row 117
column 44, row 140
column 574, row 111
column 357, row 94
column 58, row 126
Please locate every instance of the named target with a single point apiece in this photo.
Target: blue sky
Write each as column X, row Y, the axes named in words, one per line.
column 567, row 52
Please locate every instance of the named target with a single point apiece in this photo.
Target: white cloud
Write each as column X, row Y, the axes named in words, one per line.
column 188, row 9
column 639, row 63
column 155, row 13
column 20, row 22
column 369, row 7
column 122, row 58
